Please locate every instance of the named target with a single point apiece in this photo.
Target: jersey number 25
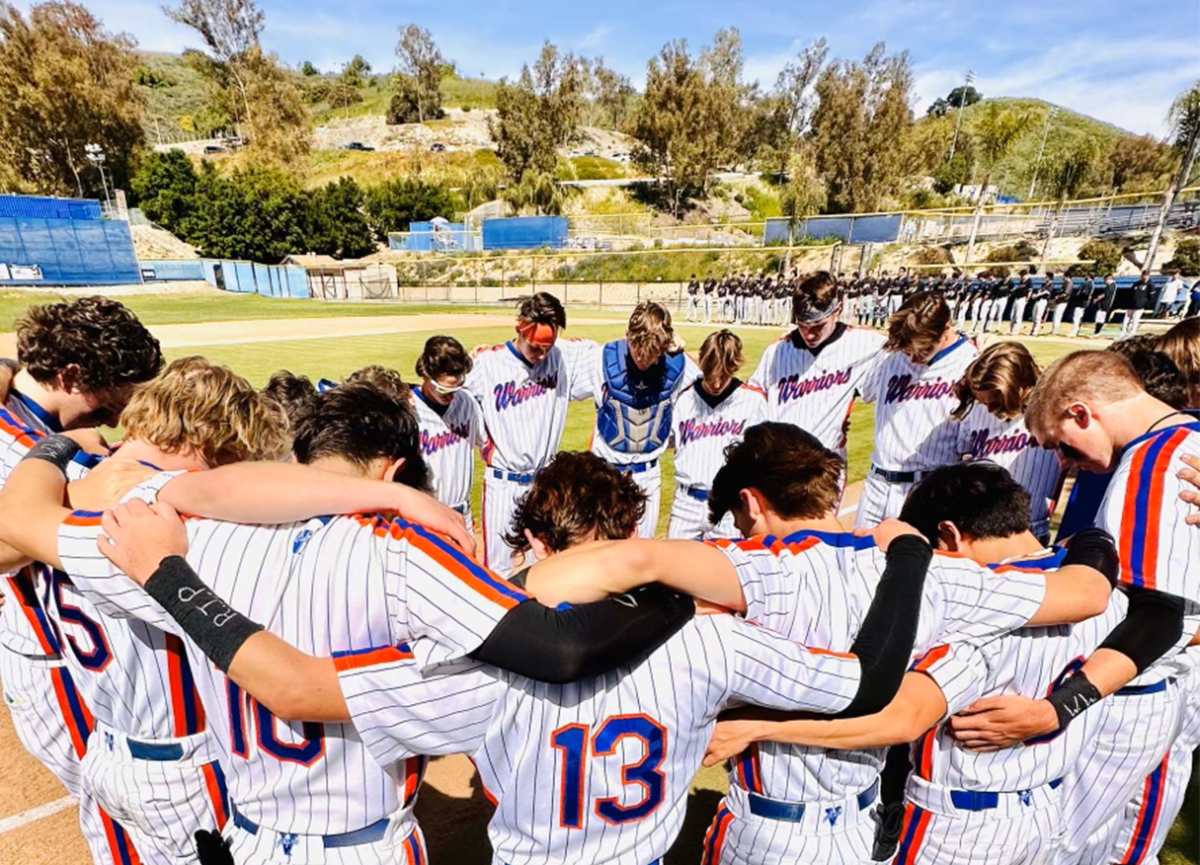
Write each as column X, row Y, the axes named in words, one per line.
column 575, row 742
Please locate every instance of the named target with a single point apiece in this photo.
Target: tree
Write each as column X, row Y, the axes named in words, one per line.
column 611, row 95
column 259, row 214
column 1139, row 163
column 341, row 94
column 803, row 194
column 337, row 225
column 995, row 135
column 1184, row 119
column 781, row 117
column 692, row 117
column 1068, row 172
column 308, row 70
column 538, row 114
column 164, row 187
column 859, row 128
column 1187, row 258
column 65, row 82
column 963, row 96
column 395, row 204
column 248, row 85
column 420, row 72
column 356, row 72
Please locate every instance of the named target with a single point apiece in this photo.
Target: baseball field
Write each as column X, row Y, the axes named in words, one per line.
column 257, row 336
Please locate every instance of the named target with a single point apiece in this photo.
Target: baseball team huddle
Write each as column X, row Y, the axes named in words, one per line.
column 240, row 635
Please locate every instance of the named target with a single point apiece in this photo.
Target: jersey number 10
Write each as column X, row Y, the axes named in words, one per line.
column 575, row 742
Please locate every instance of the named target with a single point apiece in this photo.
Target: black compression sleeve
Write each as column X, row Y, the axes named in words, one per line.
column 1072, row 698
column 215, row 627
column 1152, row 627
column 58, row 450
column 1095, row 549
column 562, row 645
column 885, row 641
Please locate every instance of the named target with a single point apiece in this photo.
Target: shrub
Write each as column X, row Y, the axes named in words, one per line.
column 1106, row 256
column 1186, row 259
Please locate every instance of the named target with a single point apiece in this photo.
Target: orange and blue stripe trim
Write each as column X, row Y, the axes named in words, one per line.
column 23, row 590
column 119, row 843
column 414, row 775
column 22, row 434
column 359, row 658
column 1147, row 820
column 414, row 850
column 218, row 793
column 912, row 833
column 714, row 840
column 749, row 771
column 74, row 711
column 1142, row 515
column 83, row 518
column 186, row 711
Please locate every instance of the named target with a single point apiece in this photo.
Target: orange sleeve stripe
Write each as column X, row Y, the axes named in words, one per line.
column 815, row 651
column 930, row 658
column 370, row 658
column 84, row 518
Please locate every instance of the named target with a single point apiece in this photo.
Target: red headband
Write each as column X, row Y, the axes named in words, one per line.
column 542, row 335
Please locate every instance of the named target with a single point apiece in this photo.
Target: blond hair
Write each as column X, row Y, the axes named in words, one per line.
column 1091, row 377
column 1006, row 368
column 1182, row 345
column 650, row 330
column 721, row 354
column 209, row 409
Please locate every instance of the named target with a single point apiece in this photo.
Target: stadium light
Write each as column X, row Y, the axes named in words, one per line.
column 95, row 155
column 958, row 122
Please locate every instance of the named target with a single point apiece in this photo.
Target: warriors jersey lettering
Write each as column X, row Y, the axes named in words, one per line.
column 704, row 427
column 524, row 405
column 816, row 588
column 449, row 436
column 409, row 584
column 913, row 430
column 816, row 390
column 1007, row 443
column 597, row 771
column 1158, row 550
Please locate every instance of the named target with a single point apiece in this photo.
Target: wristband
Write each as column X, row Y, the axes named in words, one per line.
column 1072, row 698
column 1094, row 548
column 57, row 450
column 215, row 627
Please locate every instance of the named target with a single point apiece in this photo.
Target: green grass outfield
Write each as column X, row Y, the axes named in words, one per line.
column 336, row 357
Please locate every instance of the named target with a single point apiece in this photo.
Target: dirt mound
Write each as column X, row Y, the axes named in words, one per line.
column 150, row 241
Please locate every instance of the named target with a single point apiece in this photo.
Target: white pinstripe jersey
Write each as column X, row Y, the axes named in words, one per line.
column 591, row 383
column 448, row 442
column 1007, row 443
column 913, row 430
column 816, row 588
column 1028, row 662
column 408, row 584
column 524, row 406
column 597, row 771
column 816, row 391
column 1158, row 550
column 24, row 627
column 703, row 431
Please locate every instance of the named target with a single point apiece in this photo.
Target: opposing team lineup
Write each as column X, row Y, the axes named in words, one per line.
column 265, row 678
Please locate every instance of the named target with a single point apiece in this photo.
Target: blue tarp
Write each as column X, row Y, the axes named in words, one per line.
column 38, row 251
column 525, row 232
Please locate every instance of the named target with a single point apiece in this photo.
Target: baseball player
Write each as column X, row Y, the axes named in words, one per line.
column 710, row 286
column 1104, row 296
column 812, row 375
column 291, row 391
column 724, row 301
column 1021, row 295
column 992, row 394
column 1005, row 805
column 619, row 756
column 981, row 304
column 635, row 382
column 79, row 363
column 1001, row 291
column 1040, row 297
column 800, row 573
column 523, row 387
column 693, row 298
column 450, row 423
column 1078, row 303
column 1060, row 296
column 1090, row 408
column 708, row 415
column 912, row 386
column 308, row 789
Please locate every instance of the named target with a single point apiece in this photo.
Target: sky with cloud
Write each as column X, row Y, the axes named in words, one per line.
column 1122, row 61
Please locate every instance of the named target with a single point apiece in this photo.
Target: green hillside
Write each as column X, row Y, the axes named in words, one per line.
column 1068, row 129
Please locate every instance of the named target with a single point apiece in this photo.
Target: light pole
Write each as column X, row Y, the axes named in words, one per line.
column 962, row 98
column 95, row 155
column 1037, row 165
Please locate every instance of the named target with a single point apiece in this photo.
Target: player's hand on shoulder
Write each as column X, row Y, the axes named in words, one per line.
column 136, row 537
column 106, row 484
column 886, row 532
column 418, row 507
column 480, row 349
column 1191, row 475
column 1001, row 722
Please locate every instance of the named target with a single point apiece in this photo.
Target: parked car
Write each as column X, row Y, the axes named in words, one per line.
column 438, row 147
column 213, row 148
column 356, row 145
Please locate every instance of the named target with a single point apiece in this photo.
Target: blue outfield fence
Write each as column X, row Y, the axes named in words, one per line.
column 881, row 228
column 65, row 251
column 525, row 232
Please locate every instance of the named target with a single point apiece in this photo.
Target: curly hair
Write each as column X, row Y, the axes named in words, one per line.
column 209, row 409
column 577, row 497
column 101, row 337
column 384, row 379
column 443, row 356
column 289, row 390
